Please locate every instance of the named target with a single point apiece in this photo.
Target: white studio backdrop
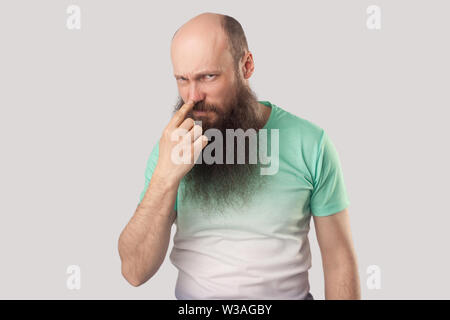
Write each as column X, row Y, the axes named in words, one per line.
column 80, row 109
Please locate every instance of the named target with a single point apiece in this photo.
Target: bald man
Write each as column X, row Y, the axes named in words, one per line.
column 240, row 234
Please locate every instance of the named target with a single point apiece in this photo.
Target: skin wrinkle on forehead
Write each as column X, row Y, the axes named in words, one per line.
column 209, row 61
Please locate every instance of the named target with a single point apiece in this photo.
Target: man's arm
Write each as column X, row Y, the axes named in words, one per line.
column 144, row 241
column 338, row 256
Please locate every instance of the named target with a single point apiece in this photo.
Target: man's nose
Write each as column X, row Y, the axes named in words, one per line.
column 195, row 93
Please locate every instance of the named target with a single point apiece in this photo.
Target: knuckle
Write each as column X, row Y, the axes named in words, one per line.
column 189, row 121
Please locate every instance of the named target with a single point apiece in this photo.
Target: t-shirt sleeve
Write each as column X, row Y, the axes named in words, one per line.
column 329, row 195
column 151, row 164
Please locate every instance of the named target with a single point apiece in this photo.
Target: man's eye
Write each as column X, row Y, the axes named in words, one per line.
column 210, row 76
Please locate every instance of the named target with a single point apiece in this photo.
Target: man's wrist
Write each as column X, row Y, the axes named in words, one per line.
column 165, row 182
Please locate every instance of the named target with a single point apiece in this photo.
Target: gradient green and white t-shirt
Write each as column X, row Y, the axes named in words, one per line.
column 261, row 251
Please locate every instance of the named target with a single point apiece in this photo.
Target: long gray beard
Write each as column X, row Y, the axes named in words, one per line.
column 216, row 187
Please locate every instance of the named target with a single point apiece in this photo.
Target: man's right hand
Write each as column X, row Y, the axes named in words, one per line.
column 192, row 141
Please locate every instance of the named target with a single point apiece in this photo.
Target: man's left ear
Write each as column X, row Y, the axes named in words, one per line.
column 248, row 65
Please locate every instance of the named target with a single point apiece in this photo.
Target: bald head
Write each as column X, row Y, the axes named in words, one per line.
column 209, row 34
column 207, row 19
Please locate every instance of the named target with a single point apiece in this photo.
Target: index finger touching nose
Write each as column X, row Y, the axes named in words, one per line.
column 187, row 106
column 181, row 113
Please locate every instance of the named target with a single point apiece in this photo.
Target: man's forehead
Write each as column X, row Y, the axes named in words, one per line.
column 196, row 64
column 194, row 53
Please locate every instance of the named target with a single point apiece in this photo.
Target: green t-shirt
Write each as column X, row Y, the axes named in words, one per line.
column 262, row 252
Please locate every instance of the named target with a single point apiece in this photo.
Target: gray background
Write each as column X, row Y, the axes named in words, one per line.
column 81, row 110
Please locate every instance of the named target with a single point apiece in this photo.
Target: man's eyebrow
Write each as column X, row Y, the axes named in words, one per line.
column 199, row 74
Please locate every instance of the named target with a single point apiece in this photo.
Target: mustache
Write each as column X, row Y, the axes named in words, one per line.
column 201, row 106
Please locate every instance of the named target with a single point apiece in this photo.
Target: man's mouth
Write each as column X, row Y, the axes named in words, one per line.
column 200, row 112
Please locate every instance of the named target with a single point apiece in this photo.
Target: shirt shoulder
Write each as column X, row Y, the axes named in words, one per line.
column 303, row 130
